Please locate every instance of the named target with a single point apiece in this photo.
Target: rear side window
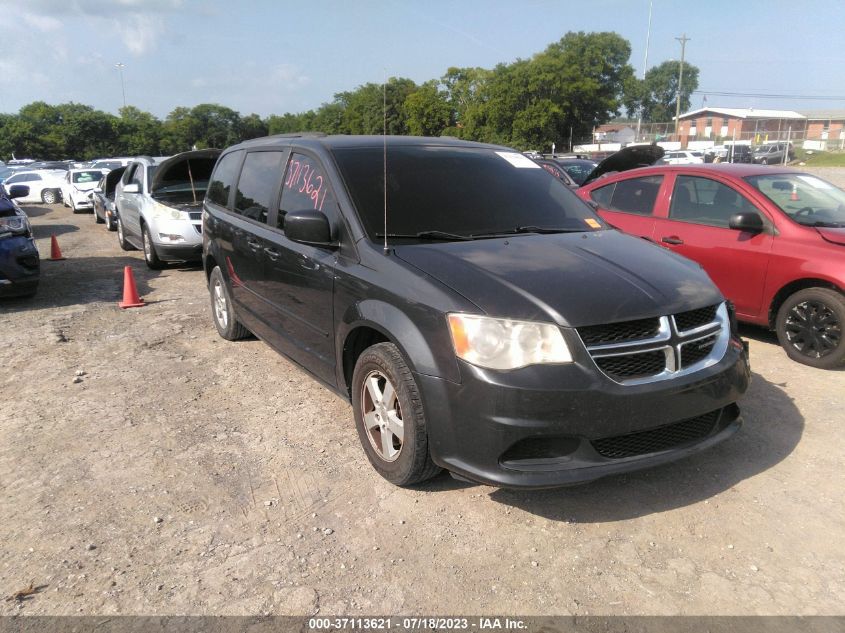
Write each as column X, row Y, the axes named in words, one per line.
column 635, row 195
column 704, row 201
column 257, row 184
column 603, row 195
column 222, row 179
column 306, row 187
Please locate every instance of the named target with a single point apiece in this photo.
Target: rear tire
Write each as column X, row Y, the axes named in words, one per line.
column 150, row 255
column 48, row 196
column 222, row 310
column 809, row 326
column 121, row 238
column 389, row 416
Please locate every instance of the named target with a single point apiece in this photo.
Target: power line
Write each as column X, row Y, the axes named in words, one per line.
column 768, row 95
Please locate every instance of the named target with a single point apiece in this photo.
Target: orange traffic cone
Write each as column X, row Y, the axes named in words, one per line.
column 130, row 292
column 794, row 195
column 55, row 251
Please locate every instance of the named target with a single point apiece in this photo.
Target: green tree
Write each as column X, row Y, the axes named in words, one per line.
column 427, row 110
column 466, row 92
column 284, row 124
column 659, row 90
column 205, row 125
column 575, row 83
column 366, row 108
column 253, row 126
column 140, row 133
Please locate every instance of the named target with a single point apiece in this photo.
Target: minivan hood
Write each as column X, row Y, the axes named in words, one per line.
column 573, row 279
column 160, row 174
column 627, row 158
column 835, row 235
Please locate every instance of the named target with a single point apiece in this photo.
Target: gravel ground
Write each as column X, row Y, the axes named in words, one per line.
column 149, row 467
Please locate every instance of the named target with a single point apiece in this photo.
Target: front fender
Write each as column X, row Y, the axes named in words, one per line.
column 424, row 341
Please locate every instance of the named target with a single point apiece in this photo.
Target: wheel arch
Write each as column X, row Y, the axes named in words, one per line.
column 373, row 321
column 791, row 288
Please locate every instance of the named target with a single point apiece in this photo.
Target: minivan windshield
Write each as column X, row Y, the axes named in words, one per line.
column 441, row 192
column 805, row 199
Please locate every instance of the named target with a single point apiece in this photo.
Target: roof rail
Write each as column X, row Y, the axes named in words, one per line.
column 300, row 135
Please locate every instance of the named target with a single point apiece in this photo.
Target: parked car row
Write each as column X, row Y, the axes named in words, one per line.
column 475, row 309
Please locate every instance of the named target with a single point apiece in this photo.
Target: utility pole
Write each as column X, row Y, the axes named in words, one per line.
column 120, row 66
column 645, row 66
column 683, row 40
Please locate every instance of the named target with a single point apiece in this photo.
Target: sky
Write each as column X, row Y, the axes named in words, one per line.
column 272, row 57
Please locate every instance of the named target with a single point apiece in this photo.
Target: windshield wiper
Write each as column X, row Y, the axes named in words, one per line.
column 529, row 229
column 428, row 235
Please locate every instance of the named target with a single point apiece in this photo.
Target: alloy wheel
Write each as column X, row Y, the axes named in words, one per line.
column 382, row 416
column 221, row 307
column 813, row 329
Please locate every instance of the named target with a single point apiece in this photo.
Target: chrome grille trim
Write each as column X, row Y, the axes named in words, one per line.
column 670, row 341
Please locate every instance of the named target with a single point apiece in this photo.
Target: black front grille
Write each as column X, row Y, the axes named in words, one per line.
column 655, row 440
column 695, row 318
column 632, row 366
column 619, row 332
column 693, row 352
column 195, row 215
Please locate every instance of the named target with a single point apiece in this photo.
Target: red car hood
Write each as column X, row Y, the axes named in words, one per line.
column 835, row 235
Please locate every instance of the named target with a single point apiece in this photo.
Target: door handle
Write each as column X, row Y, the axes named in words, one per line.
column 272, row 253
column 253, row 244
column 675, row 241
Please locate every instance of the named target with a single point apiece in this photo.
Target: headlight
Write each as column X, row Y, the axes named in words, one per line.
column 163, row 212
column 15, row 224
column 506, row 344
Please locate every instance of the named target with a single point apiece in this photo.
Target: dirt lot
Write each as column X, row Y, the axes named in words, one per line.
column 183, row 474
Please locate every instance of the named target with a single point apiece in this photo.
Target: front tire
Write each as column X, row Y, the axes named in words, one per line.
column 389, row 416
column 222, row 310
column 48, row 196
column 97, row 218
column 121, row 237
column 809, row 327
column 150, row 255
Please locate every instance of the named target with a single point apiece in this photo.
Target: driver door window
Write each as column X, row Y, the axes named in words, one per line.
column 705, row 201
column 305, row 187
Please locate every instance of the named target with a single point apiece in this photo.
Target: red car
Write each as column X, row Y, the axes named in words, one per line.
column 772, row 239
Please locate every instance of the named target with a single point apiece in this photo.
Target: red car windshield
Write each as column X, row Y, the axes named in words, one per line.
column 804, row 198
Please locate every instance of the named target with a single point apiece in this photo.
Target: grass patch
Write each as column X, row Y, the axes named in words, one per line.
column 823, row 159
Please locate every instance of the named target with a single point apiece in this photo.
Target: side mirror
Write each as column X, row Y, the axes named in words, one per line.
column 309, row 227
column 132, row 187
column 18, row 191
column 97, row 190
column 592, row 204
column 750, row 222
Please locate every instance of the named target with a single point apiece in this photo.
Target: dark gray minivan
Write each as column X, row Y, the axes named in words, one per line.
column 476, row 313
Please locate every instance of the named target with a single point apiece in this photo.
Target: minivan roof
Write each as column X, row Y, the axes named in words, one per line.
column 357, row 141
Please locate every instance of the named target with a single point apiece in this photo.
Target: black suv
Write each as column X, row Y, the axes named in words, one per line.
column 478, row 316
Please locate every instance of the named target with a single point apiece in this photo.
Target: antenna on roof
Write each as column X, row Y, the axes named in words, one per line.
column 384, row 138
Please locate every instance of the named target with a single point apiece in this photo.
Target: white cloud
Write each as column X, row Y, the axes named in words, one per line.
column 43, row 23
column 139, row 32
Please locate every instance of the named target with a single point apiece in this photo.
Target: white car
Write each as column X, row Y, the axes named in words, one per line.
column 44, row 185
column 110, row 163
column 78, row 184
column 682, row 157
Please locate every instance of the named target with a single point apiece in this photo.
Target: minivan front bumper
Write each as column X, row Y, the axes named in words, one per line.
column 548, row 426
